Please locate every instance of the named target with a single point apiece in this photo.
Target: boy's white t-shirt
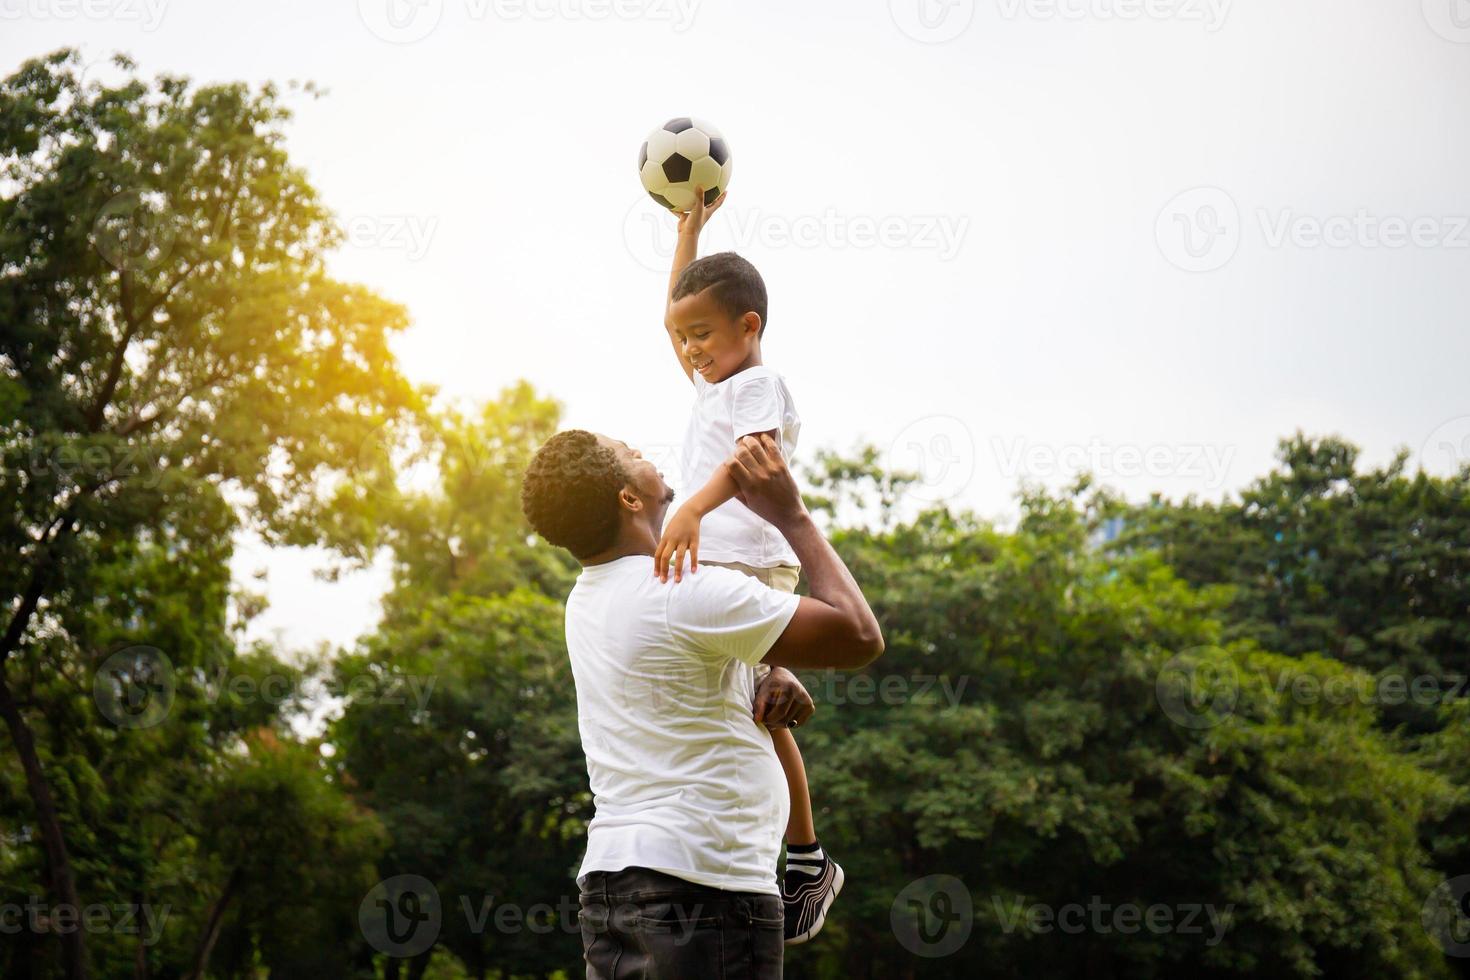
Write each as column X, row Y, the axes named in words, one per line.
column 684, row 780
column 754, row 400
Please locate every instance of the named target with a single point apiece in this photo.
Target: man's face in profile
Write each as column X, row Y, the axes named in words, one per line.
column 643, row 476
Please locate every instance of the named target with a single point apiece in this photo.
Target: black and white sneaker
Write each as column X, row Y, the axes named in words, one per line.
column 808, row 889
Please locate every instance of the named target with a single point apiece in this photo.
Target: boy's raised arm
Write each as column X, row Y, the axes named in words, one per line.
column 686, row 250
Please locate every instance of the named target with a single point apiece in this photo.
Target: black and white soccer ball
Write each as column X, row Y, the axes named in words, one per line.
column 681, row 155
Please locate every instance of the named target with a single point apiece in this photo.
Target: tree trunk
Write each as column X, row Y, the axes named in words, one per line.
column 63, row 884
column 20, row 962
column 140, row 958
column 212, row 926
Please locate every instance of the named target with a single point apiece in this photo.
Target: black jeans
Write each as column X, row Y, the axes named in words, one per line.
column 639, row 924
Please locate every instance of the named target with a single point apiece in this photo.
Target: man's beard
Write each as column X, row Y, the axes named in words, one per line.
column 668, row 496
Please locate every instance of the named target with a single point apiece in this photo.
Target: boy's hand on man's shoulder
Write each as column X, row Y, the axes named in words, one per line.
column 680, row 537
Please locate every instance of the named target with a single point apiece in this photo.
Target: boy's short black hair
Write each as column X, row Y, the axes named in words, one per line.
column 739, row 288
column 570, row 492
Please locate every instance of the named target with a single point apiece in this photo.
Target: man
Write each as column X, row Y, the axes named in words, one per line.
column 679, row 880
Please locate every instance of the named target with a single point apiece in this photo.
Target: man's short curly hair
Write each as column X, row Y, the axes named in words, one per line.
column 570, row 492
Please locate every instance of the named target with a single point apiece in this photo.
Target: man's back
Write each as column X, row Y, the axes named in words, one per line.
column 684, row 780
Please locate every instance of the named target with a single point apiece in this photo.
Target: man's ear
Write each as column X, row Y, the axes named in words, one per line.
column 630, row 500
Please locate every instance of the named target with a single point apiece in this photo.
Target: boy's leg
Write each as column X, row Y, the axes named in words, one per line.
column 800, row 828
column 812, row 879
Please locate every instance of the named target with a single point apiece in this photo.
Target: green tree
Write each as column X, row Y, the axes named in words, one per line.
column 459, row 726
column 464, row 532
column 294, row 856
column 174, row 361
column 460, row 733
column 1054, row 760
column 1370, row 568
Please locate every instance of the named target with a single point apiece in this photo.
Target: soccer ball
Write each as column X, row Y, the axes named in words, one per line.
column 681, row 155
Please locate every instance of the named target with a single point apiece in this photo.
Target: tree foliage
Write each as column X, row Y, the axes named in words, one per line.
column 175, row 363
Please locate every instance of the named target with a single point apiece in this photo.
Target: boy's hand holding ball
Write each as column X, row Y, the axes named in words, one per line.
column 692, row 222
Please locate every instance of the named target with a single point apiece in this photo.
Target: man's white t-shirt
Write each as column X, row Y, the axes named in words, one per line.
column 755, row 400
column 684, row 781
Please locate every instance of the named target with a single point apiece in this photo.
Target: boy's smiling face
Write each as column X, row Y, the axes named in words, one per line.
column 716, row 344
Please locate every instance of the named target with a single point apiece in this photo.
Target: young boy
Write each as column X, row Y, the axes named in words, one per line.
column 715, row 317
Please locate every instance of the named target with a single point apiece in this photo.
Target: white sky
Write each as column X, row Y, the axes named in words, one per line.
column 1030, row 305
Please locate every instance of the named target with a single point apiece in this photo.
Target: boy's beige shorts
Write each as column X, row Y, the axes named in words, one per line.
column 780, row 577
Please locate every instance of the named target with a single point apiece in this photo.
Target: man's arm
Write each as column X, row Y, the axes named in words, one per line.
column 686, row 250
column 834, row 626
